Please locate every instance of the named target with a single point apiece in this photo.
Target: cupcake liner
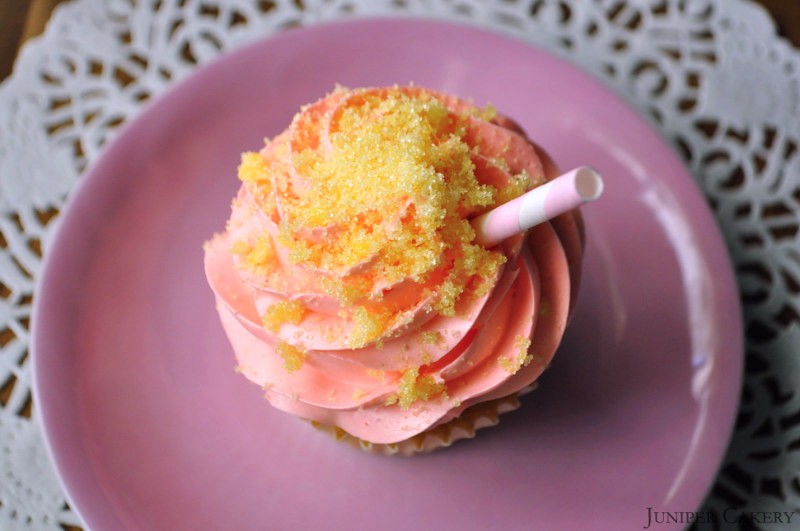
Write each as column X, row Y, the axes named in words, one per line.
column 464, row 426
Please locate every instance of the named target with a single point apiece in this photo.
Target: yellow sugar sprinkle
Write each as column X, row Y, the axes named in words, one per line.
column 519, row 184
column 448, row 293
column 367, row 326
column 358, row 393
column 239, row 247
column 521, row 343
column 414, row 387
column 259, row 257
column 253, row 168
column 292, row 356
column 277, row 314
column 430, row 337
column 522, row 358
column 407, row 152
column 489, row 112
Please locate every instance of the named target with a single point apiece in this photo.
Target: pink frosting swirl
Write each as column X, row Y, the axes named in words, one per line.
column 299, row 306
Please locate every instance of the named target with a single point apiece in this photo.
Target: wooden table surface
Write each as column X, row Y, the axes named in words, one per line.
column 21, row 20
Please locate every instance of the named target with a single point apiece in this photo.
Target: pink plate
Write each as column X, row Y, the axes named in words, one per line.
column 151, row 428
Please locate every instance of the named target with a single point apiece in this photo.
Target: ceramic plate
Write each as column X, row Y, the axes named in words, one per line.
column 151, row 428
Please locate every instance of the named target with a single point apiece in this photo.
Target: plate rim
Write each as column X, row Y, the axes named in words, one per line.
column 92, row 176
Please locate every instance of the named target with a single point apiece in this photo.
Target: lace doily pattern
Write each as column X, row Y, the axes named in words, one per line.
column 710, row 74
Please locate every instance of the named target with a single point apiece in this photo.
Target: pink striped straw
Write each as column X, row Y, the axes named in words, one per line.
column 543, row 203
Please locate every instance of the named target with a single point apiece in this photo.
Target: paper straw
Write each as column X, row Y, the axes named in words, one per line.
column 543, row 203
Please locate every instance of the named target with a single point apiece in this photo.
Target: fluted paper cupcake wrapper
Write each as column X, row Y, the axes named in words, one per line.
column 465, row 426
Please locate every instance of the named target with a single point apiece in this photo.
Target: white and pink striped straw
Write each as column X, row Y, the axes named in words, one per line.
column 541, row 204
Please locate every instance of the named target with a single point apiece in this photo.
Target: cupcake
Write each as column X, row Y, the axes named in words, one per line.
column 352, row 286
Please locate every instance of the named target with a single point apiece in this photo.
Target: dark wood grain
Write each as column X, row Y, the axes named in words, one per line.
column 786, row 14
column 12, row 24
column 21, row 20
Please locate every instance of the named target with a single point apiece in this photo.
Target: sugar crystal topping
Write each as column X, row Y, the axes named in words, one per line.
column 372, row 190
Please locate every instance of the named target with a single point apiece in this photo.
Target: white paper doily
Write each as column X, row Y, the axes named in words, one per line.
column 710, row 74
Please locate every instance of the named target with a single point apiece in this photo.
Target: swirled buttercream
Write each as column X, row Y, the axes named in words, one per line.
column 348, row 279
